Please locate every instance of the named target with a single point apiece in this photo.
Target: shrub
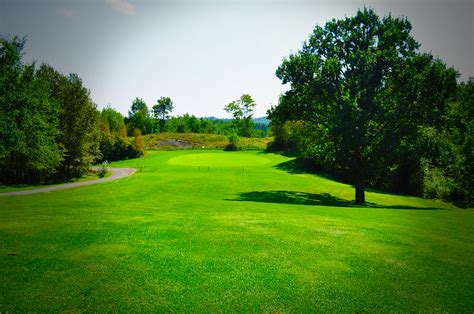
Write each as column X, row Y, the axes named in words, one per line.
column 436, row 184
column 138, row 141
column 114, row 147
column 102, row 169
column 233, row 142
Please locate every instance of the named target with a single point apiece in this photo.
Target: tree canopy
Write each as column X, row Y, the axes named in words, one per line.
column 78, row 121
column 29, row 119
column 113, row 119
column 139, row 117
column 48, row 123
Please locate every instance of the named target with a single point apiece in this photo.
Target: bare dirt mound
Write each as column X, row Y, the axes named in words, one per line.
column 175, row 143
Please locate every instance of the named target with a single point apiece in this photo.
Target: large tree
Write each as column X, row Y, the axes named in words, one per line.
column 363, row 86
column 242, row 111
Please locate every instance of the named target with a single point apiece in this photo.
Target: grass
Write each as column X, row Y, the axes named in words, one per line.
column 20, row 187
column 194, row 231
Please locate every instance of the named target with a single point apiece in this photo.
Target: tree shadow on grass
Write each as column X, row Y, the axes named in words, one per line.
column 304, row 198
column 300, row 166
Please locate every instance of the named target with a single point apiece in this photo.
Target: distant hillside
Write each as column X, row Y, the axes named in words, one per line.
column 260, row 120
column 216, row 119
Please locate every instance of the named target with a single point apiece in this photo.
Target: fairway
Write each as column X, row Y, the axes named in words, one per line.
column 245, row 233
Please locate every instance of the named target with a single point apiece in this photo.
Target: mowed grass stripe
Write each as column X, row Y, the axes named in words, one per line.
column 177, row 238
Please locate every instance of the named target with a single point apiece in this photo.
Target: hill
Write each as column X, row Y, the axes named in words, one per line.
column 173, row 141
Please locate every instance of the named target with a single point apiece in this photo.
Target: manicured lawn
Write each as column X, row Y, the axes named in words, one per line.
column 201, row 231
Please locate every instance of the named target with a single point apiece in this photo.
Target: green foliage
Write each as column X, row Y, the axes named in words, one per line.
column 233, row 142
column 115, row 147
column 114, row 119
column 138, row 141
column 102, row 169
column 290, row 136
column 138, row 105
column 242, row 111
column 114, row 144
column 139, row 118
column 462, row 135
column 436, row 184
column 48, row 123
column 78, row 122
column 29, row 150
column 448, row 165
column 162, row 109
column 363, row 88
column 189, row 124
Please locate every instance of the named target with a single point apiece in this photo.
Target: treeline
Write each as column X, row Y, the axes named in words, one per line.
column 49, row 126
column 191, row 124
column 157, row 119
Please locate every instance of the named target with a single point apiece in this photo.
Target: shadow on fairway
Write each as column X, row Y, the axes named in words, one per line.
column 304, row 198
column 301, row 165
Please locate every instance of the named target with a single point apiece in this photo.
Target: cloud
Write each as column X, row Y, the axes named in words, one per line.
column 65, row 13
column 121, row 6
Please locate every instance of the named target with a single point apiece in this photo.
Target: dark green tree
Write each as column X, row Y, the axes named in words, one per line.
column 29, row 151
column 139, row 117
column 242, row 111
column 114, row 144
column 78, row 122
column 162, row 109
column 138, row 105
column 449, row 168
column 463, row 135
column 113, row 118
column 364, row 88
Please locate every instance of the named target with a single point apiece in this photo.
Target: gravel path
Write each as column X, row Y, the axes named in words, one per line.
column 117, row 173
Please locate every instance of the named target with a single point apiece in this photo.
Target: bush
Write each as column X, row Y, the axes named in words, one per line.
column 233, row 142
column 114, row 147
column 102, row 169
column 436, row 184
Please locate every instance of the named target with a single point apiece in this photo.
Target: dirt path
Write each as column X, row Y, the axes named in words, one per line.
column 117, row 173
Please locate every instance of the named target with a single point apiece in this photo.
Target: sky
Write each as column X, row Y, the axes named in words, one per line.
column 205, row 54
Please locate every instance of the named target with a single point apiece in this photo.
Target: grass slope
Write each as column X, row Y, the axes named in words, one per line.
column 160, row 141
column 200, row 232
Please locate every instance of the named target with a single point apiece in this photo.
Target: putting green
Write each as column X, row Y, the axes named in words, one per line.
column 230, row 159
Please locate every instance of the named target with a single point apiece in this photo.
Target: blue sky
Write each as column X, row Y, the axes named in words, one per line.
column 204, row 54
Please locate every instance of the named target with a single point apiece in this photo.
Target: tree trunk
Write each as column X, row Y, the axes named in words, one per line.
column 360, row 192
